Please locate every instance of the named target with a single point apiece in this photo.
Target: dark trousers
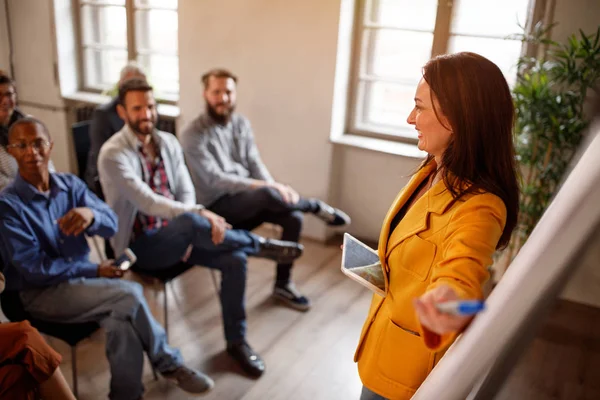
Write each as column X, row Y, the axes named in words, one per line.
column 249, row 209
column 164, row 248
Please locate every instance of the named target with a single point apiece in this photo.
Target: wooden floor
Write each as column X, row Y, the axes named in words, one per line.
column 309, row 355
column 563, row 361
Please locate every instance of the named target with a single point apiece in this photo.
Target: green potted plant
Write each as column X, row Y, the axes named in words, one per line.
column 550, row 98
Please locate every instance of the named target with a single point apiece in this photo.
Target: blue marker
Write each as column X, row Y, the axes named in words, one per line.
column 461, row 307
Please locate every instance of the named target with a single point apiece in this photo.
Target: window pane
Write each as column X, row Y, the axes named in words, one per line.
column 170, row 4
column 156, row 30
column 102, row 67
column 407, row 14
column 504, row 53
column 488, row 17
column 396, row 54
column 104, row 26
column 162, row 72
column 386, row 105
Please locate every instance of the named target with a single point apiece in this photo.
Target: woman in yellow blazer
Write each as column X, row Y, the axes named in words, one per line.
column 439, row 235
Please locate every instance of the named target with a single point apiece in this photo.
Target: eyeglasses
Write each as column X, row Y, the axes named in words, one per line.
column 37, row 145
column 7, row 94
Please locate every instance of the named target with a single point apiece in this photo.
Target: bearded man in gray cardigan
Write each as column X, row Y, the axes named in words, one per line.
column 145, row 180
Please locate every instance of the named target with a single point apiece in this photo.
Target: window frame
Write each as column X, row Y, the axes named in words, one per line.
column 132, row 49
column 356, row 100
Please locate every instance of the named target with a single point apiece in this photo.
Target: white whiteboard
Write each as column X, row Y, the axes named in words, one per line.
column 533, row 280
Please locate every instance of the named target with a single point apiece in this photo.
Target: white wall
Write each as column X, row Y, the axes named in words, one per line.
column 368, row 183
column 4, row 49
column 573, row 15
column 34, row 55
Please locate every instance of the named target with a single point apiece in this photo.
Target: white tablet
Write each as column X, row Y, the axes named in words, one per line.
column 361, row 263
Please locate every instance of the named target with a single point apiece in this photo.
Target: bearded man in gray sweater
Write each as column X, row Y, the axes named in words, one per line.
column 232, row 181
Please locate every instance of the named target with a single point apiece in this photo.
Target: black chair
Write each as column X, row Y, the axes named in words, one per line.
column 164, row 277
column 83, row 143
column 72, row 334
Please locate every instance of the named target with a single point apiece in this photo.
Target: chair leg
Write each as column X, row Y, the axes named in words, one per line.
column 154, row 371
column 166, row 311
column 97, row 248
column 214, row 279
column 178, row 304
column 74, row 369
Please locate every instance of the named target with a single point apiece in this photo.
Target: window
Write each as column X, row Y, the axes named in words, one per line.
column 115, row 31
column 395, row 38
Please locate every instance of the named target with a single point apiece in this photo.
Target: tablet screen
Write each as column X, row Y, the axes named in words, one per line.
column 361, row 263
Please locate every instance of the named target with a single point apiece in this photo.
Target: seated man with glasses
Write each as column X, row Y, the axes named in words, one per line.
column 44, row 218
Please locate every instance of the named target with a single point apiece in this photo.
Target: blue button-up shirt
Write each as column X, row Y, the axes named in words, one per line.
column 35, row 252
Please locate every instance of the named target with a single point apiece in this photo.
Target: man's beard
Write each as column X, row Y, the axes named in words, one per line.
column 135, row 126
column 221, row 119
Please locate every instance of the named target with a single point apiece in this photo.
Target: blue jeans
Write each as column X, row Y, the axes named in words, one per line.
column 121, row 309
column 164, row 248
column 367, row 394
column 250, row 208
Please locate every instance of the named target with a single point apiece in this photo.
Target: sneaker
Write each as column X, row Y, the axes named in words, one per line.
column 291, row 297
column 247, row 358
column 332, row 216
column 281, row 251
column 190, row 380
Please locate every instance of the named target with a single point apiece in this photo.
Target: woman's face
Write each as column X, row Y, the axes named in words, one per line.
column 8, row 100
column 433, row 135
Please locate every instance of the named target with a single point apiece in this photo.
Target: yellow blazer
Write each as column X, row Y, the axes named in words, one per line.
column 439, row 241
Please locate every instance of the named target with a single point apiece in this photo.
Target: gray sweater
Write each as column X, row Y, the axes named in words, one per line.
column 120, row 172
column 221, row 159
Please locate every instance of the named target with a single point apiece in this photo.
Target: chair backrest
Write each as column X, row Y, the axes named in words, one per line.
column 71, row 333
column 81, row 139
column 108, row 250
column 12, row 306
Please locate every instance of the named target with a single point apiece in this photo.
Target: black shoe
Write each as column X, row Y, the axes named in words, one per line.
column 278, row 250
column 250, row 362
column 332, row 216
column 289, row 295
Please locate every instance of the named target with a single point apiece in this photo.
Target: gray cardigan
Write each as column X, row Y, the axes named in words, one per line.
column 126, row 192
